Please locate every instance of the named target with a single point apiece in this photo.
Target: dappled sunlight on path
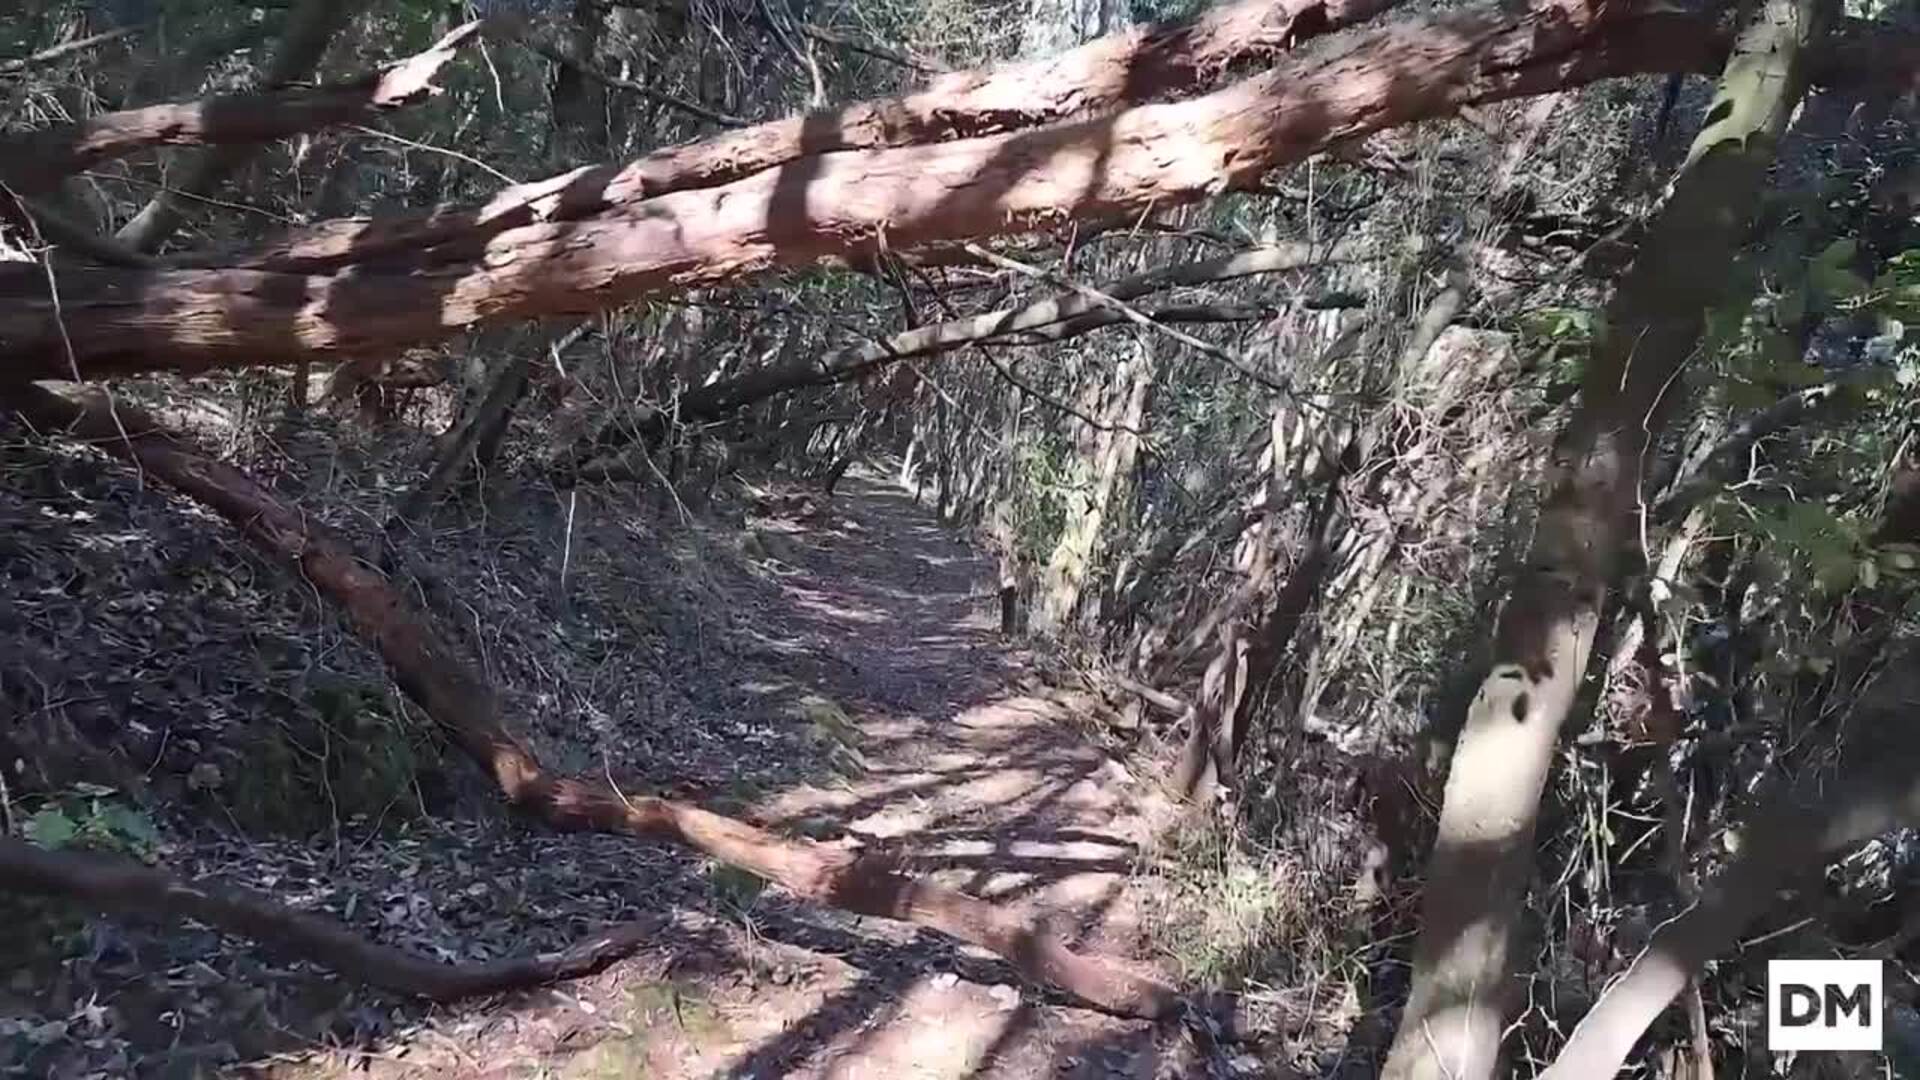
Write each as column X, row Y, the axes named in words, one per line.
column 967, row 779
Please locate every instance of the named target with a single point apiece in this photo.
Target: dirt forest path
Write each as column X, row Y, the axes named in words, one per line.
column 884, row 631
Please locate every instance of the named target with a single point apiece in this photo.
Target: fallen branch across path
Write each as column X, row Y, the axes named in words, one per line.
column 830, row 205
column 37, row 160
column 121, row 886
column 1056, row 318
column 1114, row 72
column 465, row 708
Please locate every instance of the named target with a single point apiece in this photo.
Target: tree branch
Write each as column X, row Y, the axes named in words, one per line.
column 832, row 205
column 1051, row 319
column 1787, row 837
column 68, row 48
column 1123, row 70
column 124, row 887
column 38, row 160
column 692, row 108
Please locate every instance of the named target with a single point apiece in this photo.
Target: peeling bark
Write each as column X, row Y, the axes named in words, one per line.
column 427, row 670
column 1477, row 880
column 121, row 320
column 1112, row 73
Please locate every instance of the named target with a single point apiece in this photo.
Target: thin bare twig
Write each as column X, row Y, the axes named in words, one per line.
column 1133, row 315
column 68, row 48
column 431, row 149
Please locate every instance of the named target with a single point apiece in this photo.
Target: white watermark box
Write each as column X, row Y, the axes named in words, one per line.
column 1824, row 1005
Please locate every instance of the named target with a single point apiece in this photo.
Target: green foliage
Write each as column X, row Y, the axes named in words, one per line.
column 1233, row 913
column 89, row 816
column 1164, row 10
column 1831, row 279
column 1561, row 335
column 1042, row 485
column 1813, row 537
column 1896, row 292
column 344, row 756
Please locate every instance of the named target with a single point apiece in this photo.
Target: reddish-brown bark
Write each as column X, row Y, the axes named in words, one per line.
column 37, row 160
column 1101, row 76
column 1156, row 155
column 120, row 885
column 842, row 204
column 428, row 671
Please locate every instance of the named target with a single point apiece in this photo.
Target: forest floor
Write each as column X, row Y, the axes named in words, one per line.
column 872, row 702
column 945, row 761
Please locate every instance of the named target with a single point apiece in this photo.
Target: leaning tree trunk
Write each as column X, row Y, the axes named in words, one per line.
column 427, row 670
column 1875, row 789
column 1477, row 881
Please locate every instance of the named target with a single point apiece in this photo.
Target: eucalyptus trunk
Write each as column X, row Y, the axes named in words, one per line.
column 1477, row 882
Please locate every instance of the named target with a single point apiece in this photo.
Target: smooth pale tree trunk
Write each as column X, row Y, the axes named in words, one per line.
column 1477, row 881
column 1114, row 452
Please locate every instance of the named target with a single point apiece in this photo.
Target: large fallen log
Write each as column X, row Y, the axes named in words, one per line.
column 37, row 160
column 119, row 320
column 119, row 885
column 1104, row 75
column 846, row 203
column 429, row 672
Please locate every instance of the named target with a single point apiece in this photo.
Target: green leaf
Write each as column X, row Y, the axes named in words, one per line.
column 130, row 824
column 51, row 828
column 1828, row 273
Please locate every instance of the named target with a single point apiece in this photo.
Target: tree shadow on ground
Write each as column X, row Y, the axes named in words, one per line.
column 162, row 643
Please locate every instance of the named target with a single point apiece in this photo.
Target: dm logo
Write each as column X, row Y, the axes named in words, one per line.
column 1824, row 1005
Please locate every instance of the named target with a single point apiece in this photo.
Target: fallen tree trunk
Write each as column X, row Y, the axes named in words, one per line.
column 38, row 160
column 589, row 461
column 1114, row 72
column 124, row 887
column 120, row 320
column 465, row 708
